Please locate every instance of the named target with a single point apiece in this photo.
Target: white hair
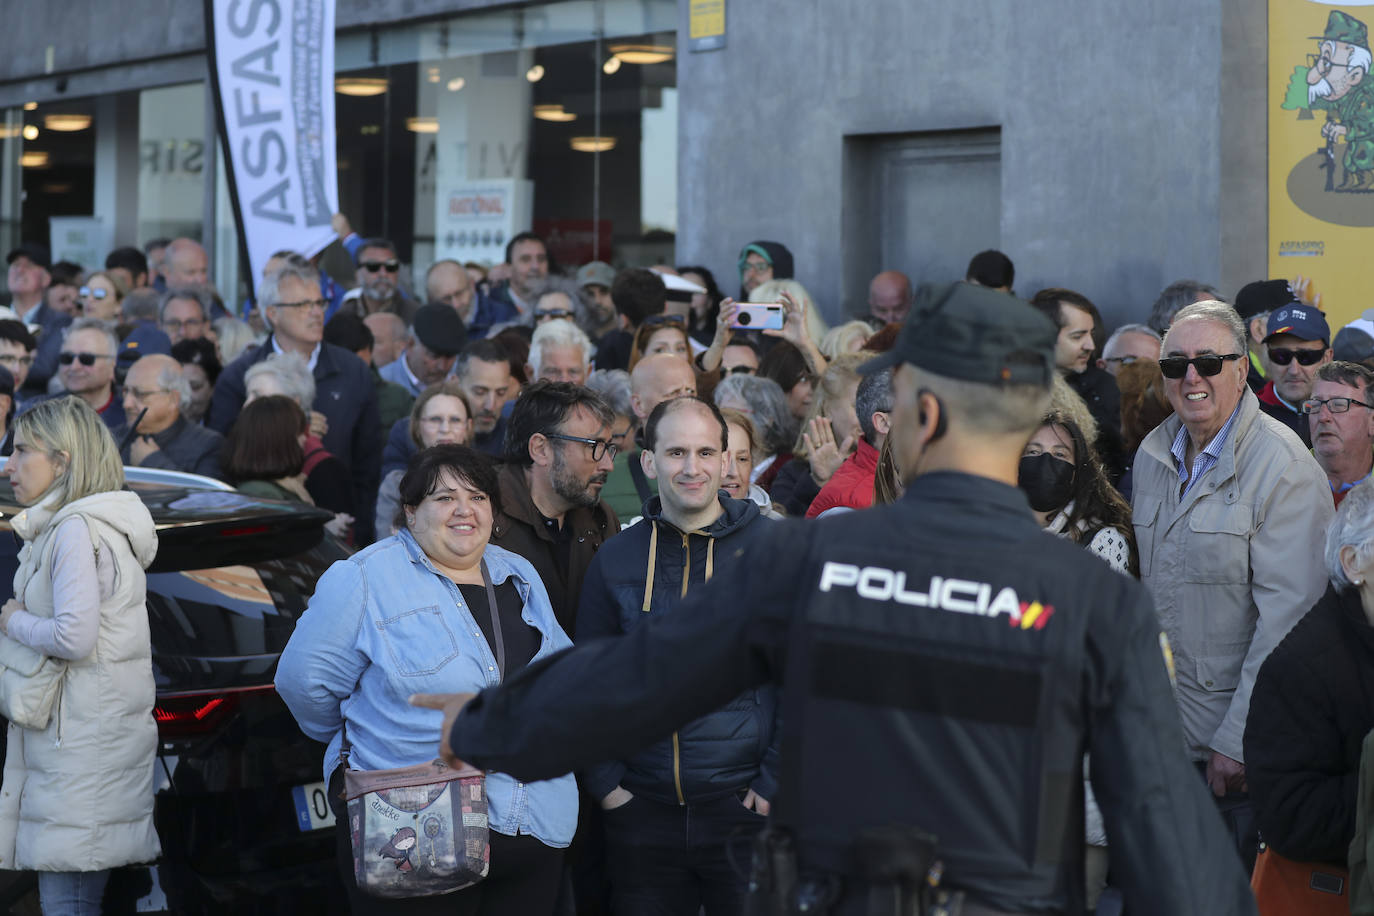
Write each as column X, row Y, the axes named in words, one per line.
column 171, row 378
column 1352, row 526
column 1212, row 310
column 558, row 333
column 614, row 387
column 291, row 372
column 1110, row 345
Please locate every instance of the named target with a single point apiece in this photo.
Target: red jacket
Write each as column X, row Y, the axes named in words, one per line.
column 852, row 483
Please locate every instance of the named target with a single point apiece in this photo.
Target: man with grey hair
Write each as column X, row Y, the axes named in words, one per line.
column 1341, row 413
column 851, row 486
column 155, row 394
column 1229, row 511
column 185, row 263
column 389, row 337
column 1174, row 297
column 1129, row 343
column 184, row 313
column 559, row 351
column 86, row 367
column 294, row 307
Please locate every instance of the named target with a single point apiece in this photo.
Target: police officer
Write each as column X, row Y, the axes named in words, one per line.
column 944, row 665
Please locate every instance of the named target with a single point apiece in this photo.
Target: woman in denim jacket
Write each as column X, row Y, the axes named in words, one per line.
column 410, row 615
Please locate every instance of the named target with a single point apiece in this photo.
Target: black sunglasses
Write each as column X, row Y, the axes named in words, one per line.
column 1282, row 356
column 390, row 267
column 1177, row 366
column 662, row 319
column 86, row 359
column 740, row 370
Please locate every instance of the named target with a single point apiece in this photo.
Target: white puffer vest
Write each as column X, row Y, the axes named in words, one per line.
column 78, row 796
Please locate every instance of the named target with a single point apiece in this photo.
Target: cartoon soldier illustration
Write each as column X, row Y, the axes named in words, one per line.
column 1336, row 83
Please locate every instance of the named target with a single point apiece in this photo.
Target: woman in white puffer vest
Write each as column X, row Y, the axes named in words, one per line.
column 76, row 798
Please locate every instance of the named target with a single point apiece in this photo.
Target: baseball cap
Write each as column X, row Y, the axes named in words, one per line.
column 1355, row 342
column 974, row 334
column 1263, row 296
column 440, row 329
column 597, row 272
column 146, row 338
column 33, row 251
column 1305, row 322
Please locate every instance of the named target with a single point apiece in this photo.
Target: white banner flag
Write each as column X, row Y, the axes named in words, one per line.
column 272, row 62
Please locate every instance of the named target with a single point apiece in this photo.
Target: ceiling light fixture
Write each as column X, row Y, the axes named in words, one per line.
column 30, row 106
column 423, row 125
column 592, row 144
column 553, row 113
column 34, row 159
column 360, row 86
column 612, row 65
column 535, row 74
column 30, row 131
column 67, row 123
column 432, row 74
column 643, row 54
column 456, row 84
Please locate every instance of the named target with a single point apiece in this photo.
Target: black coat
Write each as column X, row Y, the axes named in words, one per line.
column 1312, row 706
column 1097, row 388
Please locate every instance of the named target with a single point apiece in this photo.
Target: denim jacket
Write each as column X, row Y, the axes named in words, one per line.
column 385, row 624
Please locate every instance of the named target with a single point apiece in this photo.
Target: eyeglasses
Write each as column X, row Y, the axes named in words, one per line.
column 1322, row 63
column 665, row 319
column 390, row 267
column 754, row 267
column 190, row 324
column 600, row 447
column 1282, row 356
column 1335, row 405
column 541, row 317
column 1124, row 360
column 1177, row 366
column 740, row 370
column 441, row 422
column 85, row 359
column 89, row 292
column 304, row 304
column 143, row 394
column 21, row 361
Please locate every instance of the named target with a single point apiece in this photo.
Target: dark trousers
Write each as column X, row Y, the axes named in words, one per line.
column 1238, row 814
column 672, row 860
column 524, row 877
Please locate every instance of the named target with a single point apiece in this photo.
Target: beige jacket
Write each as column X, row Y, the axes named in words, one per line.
column 1232, row 565
column 78, row 796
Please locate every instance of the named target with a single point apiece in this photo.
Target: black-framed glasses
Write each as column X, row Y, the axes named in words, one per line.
column 1282, row 356
column 1209, row 365
column 665, row 319
column 143, row 394
column 305, row 304
column 1335, row 405
column 741, row 369
column 541, row 317
column 1124, row 360
column 86, row 359
column 600, row 447
column 391, row 267
column 1322, row 62
column 190, row 324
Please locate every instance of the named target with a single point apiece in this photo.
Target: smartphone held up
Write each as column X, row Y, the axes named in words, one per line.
column 761, row 316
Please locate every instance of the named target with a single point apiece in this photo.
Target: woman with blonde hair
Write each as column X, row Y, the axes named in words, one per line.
column 100, row 296
column 78, row 778
column 828, row 435
column 845, row 338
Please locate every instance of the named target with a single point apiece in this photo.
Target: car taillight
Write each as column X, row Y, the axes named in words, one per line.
column 190, row 715
column 243, row 531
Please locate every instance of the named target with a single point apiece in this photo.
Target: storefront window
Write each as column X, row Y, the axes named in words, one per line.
column 560, row 117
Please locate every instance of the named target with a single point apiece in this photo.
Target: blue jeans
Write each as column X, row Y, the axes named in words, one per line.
column 72, row 893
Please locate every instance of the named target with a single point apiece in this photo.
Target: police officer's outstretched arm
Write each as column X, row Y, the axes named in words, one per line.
column 1169, row 850
column 608, row 698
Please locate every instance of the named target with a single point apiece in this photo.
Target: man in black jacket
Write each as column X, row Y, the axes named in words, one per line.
column 558, row 454
column 672, row 810
column 944, row 664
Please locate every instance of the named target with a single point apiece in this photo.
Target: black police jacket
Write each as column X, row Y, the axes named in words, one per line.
column 945, row 665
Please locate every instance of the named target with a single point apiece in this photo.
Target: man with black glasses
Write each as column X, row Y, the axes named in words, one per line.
column 1230, row 516
column 379, row 288
column 1341, row 414
column 86, row 368
column 558, row 455
column 1298, row 343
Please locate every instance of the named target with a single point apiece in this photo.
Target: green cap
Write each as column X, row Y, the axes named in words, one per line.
column 1344, row 27
column 974, row 334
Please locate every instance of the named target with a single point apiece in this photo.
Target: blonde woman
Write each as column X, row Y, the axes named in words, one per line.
column 78, row 796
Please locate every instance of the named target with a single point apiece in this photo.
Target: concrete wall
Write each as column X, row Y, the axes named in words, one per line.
column 1110, row 121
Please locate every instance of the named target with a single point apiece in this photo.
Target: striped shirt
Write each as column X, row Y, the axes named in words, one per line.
column 1206, row 459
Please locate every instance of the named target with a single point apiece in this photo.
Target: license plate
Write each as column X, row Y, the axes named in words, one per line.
column 312, row 807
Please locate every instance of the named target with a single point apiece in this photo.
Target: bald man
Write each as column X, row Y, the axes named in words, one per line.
column 889, row 297
column 655, row 379
column 185, row 263
column 448, row 282
column 155, row 393
column 389, row 335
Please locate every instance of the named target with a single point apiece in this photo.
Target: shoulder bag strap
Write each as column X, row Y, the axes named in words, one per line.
column 495, row 623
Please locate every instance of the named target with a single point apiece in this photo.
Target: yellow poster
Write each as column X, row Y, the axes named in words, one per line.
column 707, row 25
column 1321, row 152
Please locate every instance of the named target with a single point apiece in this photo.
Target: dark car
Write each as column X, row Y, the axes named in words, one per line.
column 240, row 808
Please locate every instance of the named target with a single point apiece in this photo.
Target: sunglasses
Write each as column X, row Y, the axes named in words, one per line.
column 1177, row 366
column 87, row 292
column 662, row 319
column 86, row 359
column 540, row 317
column 390, row 267
column 740, row 370
column 1282, row 356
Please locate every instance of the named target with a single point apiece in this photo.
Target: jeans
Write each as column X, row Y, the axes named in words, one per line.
column 72, row 893
column 673, row 860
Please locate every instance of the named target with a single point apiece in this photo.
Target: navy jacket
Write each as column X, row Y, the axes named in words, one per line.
column 728, row 750
column 181, row 447
column 345, row 394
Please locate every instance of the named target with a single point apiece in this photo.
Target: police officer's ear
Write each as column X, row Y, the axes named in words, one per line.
column 931, row 410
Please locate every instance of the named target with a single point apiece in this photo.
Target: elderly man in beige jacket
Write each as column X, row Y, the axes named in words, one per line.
column 1230, row 516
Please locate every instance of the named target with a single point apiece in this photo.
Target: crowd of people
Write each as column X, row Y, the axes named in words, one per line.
column 593, row 443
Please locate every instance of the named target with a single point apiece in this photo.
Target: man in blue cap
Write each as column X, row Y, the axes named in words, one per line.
column 943, row 666
column 1297, row 343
